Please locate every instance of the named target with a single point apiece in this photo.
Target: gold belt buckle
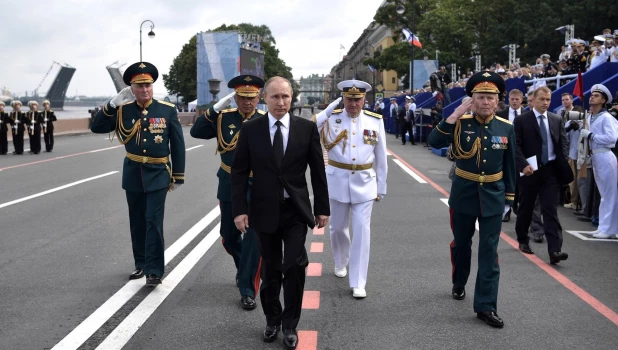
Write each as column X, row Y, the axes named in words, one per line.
column 481, row 178
column 353, row 167
column 144, row 159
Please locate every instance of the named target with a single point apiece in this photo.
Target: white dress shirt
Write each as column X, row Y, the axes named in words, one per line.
column 285, row 133
column 512, row 113
column 550, row 143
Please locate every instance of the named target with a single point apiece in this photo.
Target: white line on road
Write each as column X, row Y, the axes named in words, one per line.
column 127, row 328
column 84, row 330
column 410, row 172
column 579, row 235
column 194, row 147
column 56, row 189
column 388, row 153
column 104, row 149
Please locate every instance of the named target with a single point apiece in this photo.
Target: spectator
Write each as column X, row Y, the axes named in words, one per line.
column 572, row 129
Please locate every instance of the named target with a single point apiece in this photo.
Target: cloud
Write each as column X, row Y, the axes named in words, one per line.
column 91, row 34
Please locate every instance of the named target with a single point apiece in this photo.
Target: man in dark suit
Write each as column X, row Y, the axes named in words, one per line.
column 280, row 210
column 541, row 134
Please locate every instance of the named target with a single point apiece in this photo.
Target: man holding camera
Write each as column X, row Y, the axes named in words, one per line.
column 602, row 136
column 572, row 128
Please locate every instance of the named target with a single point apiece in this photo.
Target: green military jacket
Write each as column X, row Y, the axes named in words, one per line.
column 150, row 133
column 225, row 126
column 485, row 159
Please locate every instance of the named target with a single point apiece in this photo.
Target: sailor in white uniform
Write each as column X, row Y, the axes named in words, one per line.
column 602, row 136
column 356, row 174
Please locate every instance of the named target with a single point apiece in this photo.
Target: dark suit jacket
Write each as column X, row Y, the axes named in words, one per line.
column 503, row 113
column 529, row 143
column 254, row 153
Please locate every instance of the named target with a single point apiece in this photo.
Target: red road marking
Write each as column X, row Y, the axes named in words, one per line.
column 56, row 158
column 562, row 279
column 311, row 299
column 314, row 270
column 318, row 231
column 307, row 340
column 316, row 247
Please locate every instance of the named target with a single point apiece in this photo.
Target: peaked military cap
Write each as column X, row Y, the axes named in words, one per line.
column 246, row 85
column 487, row 82
column 32, row 103
column 16, row 102
column 140, row 73
column 354, row 88
column 2, row 103
column 600, row 88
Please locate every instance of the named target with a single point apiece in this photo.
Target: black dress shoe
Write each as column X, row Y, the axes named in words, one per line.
column 137, row 274
column 491, row 318
column 153, row 280
column 290, row 339
column 538, row 238
column 525, row 248
column 248, row 303
column 507, row 216
column 459, row 293
column 270, row 333
column 557, row 257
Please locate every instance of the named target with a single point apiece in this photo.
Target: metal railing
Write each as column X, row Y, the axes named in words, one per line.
column 557, row 78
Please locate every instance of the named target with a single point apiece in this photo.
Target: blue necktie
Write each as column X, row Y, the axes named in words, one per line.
column 545, row 148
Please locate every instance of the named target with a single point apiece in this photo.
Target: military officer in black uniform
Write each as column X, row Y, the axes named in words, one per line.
column 224, row 125
column 34, row 123
column 49, row 117
column 483, row 188
column 4, row 129
column 150, row 131
column 17, row 119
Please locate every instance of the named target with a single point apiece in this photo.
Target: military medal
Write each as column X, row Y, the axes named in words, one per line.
column 132, row 121
column 158, row 139
column 338, row 121
column 144, row 112
column 468, row 138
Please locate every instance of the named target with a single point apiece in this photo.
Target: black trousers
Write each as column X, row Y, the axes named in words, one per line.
column 546, row 187
column 35, row 140
column 287, row 270
column 406, row 127
column 4, row 143
column 49, row 140
column 18, row 140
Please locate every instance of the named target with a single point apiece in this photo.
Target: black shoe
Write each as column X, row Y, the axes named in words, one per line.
column 557, row 257
column 248, row 303
column 507, row 216
column 290, row 338
column 137, row 274
column 270, row 333
column 153, row 280
column 525, row 248
column 459, row 293
column 491, row 318
column 538, row 238
column 236, row 280
column 403, row 143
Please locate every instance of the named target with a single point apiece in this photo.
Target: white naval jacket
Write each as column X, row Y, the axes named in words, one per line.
column 347, row 186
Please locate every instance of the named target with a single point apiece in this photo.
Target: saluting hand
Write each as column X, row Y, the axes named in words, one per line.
column 125, row 95
column 321, row 220
column 459, row 111
column 242, row 222
column 223, row 102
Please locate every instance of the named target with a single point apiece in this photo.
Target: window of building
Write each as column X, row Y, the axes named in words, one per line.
column 393, row 80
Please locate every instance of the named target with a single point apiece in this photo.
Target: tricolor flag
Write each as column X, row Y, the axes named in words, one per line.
column 411, row 38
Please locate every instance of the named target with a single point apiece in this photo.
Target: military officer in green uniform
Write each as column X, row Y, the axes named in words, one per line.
column 483, row 188
column 150, row 132
column 224, row 125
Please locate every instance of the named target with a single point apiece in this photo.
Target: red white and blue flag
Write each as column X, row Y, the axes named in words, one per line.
column 411, row 38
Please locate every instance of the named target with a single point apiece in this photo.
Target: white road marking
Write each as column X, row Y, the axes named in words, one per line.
column 127, row 328
column 410, row 172
column 84, row 330
column 55, row 189
column 579, row 235
column 388, row 153
column 104, row 149
column 194, row 147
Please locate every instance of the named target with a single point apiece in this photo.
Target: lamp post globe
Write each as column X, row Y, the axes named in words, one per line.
column 400, row 9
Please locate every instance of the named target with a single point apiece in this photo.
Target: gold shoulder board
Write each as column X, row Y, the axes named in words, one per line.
column 261, row 112
column 337, row 111
column 375, row 115
column 466, row 116
column 127, row 103
column 229, row 110
column 167, row 103
column 503, row 120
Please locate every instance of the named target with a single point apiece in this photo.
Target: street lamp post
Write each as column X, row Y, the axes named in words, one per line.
column 151, row 35
column 400, row 10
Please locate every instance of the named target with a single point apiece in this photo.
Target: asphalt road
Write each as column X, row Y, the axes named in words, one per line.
column 65, row 258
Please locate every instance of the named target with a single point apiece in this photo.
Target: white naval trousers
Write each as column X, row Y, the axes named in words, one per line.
column 358, row 254
column 606, row 176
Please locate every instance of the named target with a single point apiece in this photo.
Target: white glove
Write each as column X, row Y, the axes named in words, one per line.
column 223, row 102
column 380, row 197
column 585, row 133
column 331, row 107
column 125, row 95
column 176, row 186
column 506, row 209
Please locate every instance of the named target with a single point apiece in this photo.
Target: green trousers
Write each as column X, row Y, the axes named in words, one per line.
column 488, row 274
column 146, row 220
column 244, row 249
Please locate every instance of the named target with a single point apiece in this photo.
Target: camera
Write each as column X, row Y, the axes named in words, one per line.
column 573, row 115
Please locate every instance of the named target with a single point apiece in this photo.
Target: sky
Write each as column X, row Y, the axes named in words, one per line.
column 91, row 34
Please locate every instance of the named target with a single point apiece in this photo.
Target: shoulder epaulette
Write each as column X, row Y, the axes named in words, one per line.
column 337, row 111
column 51, row 111
column 229, row 110
column 259, row 111
column 467, row 116
column 503, row 120
column 375, row 115
column 127, row 103
column 167, row 103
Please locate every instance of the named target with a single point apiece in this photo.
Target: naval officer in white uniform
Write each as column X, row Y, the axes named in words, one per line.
column 602, row 136
column 356, row 175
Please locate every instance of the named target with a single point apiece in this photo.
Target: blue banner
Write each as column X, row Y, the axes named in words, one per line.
column 218, row 55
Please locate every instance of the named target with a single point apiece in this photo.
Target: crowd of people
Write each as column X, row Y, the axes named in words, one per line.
column 33, row 122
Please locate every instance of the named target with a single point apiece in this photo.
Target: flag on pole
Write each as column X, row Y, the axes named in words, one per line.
column 372, row 69
column 411, row 38
column 579, row 86
column 341, row 47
